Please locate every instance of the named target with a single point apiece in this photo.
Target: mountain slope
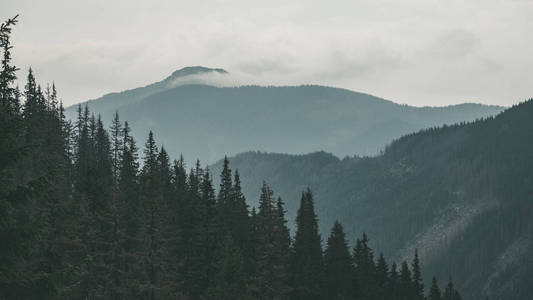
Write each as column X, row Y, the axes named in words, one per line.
column 466, row 190
column 296, row 119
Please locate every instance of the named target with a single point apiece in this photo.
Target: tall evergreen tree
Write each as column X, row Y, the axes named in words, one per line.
column 230, row 277
column 176, row 212
column 209, row 232
column 270, row 251
column 130, row 224
column 406, row 282
column 434, row 291
column 450, row 293
column 225, row 192
column 382, row 278
column 190, row 222
column 116, row 144
column 29, row 184
column 154, row 211
column 393, row 289
column 365, row 270
column 338, row 265
column 307, row 270
column 282, row 246
column 239, row 218
column 7, row 72
column 418, row 284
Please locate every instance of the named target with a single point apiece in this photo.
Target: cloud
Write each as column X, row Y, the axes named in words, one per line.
column 421, row 52
column 451, row 45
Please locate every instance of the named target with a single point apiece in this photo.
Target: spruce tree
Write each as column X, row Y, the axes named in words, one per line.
column 434, row 291
column 393, row 288
column 129, row 208
column 338, row 265
column 190, row 224
column 418, row 285
column 174, row 229
column 252, row 260
column 209, row 233
column 406, row 282
column 271, row 248
column 31, row 165
column 239, row 222
column 282, row 242
column 365, row 269
column 450, row 293
column 225, row 193
column 307, row 270
column 230, row 277
column 382, row 277
column 8, row 75
column 154, row 209
column 116, row 144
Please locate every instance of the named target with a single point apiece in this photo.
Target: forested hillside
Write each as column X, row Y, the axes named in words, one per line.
column 461, row 194
column 82, row 217
column 181, row 111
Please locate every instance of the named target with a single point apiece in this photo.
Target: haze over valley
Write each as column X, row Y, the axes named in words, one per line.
column 196, row 104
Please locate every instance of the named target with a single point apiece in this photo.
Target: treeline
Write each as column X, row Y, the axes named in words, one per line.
column 83, row 217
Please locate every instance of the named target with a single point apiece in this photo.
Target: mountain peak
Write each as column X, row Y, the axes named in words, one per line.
column 194, row 70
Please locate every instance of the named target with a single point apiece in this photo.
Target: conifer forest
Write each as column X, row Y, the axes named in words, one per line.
column 88, row 210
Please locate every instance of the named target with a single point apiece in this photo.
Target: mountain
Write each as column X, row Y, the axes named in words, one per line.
column 189, row 106
column 109, row 103
column 461, row 194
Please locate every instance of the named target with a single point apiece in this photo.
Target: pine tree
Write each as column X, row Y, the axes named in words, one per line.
column 33, row 105
column 270, row 277
column 8, row 71
column 229, row 278
column 154, row 208
column 252, row 265
column 225, row 193
column 104, row 167
column 434, row 291
column 365, row 270
column 116, row 142
column 233, row 211
column 450, row 293
column 239, row 218
column 338, row 265
column 190, row 222
column 130, row 223
column 209, row 232
column 282, row 244
column 406, row 283
column 200, row 233
column 382, row 277
column 22, row 180
column 418, row 285
column 100, row 224
column 393, row 288
column 174, row 230
column 307, row 263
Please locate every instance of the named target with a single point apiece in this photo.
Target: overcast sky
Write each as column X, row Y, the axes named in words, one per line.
column 419, row 52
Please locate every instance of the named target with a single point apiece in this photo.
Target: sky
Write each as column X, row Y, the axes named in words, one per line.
column 417, row 52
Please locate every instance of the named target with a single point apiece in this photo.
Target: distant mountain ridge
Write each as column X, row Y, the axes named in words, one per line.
column 188, row 106
column 461, row 194
column 117, row 99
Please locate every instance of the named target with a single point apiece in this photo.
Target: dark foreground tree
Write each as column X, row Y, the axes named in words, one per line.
column 307, row 268
column 339, row 269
